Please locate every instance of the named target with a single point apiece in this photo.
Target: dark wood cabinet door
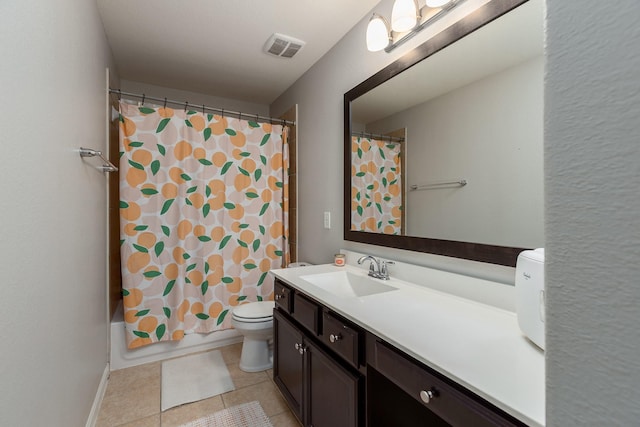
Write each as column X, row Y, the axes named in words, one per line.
column 333, row 391
column 288, row 362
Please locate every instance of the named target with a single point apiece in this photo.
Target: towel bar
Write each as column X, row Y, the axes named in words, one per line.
column 106, row 167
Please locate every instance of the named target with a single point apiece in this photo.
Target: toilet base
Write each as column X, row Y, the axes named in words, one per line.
column 256, row 355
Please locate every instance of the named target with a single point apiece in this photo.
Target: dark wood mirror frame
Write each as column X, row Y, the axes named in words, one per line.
column 501, row 255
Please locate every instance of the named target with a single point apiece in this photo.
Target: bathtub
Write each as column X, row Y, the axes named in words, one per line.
column 121, row 357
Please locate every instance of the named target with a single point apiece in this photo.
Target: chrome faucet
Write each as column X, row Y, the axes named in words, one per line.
column 378, row 269
column 374, row 266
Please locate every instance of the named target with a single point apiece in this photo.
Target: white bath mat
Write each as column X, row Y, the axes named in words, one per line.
column 192, row 378
column 245, row 415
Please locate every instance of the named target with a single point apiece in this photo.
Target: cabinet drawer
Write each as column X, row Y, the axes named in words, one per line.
column 282, row 296
column 342, row 337
column 449, row 403
column 306, row 312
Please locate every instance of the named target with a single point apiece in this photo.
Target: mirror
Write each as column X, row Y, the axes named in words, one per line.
column 443, row 148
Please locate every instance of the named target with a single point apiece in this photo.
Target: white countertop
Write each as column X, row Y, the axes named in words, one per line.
column 477, row 345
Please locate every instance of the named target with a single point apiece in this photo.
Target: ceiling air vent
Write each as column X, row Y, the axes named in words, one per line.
column 284, row 46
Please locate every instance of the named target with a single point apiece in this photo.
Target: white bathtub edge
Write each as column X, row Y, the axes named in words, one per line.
column 121, row 357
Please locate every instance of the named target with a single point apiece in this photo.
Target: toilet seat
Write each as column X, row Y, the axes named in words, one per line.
column 254, row 312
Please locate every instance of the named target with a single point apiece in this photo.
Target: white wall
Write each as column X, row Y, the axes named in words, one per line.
column 319, row 95
column 53, row 211
column 592, row 170
column 193, row 98
column 489, row 133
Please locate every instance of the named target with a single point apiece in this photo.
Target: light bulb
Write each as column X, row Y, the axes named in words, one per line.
column 437, row 3
column 404, row 15
column 377, row 33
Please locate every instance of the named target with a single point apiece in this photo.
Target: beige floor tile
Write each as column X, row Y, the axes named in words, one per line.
column 128, row 376
column 285, row 419
column 132, row 398
column 231, row 353
column 183, row 414
column 243, row 379
column 264, row 392
column 152, row 421
column 132, row 394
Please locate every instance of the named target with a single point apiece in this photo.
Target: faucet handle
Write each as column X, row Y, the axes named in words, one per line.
column 372, row 267
column 384, row 270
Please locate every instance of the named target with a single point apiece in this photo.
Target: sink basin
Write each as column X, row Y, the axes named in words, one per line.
column 346, row 284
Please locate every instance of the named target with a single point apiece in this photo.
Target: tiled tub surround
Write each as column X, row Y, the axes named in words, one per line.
column 476, row 344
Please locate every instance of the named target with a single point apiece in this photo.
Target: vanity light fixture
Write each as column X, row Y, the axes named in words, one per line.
column 404, row 15
column 378, row 34
column 407, row 19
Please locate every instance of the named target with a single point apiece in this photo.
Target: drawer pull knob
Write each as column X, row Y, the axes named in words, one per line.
column 335, row 338
column 278, row 296
column 300, row 348
column 427, row 395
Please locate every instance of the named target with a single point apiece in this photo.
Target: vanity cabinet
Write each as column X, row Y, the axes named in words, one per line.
column 322, row 388
column 333, row 373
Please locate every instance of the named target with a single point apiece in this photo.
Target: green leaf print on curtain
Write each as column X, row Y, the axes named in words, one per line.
column 376, row 193
column 201, row 219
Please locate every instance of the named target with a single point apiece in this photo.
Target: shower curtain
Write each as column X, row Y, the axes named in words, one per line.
column 203, row 215
column 376, row 190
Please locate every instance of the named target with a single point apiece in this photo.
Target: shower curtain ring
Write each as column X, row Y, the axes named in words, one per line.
column 240, row 116
column 143, row 98
column 223, row 113
column 186, row 104
column 165, row 103
column 119, row 94
column 203, row 109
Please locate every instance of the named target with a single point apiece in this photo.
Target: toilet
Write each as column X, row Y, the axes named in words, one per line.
column 254, row 321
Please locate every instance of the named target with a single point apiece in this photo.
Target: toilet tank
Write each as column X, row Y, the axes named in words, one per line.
column 530, row 304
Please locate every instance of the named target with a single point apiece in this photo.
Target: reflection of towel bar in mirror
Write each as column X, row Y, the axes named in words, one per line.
column 107, row 165
column 387, row 138
column 442, row 184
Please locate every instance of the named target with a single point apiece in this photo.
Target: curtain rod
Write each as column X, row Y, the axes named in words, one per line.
column 378, row 136
column 186, row 104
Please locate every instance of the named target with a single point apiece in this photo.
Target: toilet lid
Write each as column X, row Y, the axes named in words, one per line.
column 255, row 310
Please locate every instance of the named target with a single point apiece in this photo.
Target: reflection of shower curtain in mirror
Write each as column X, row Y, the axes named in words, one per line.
column 376, row 190
column 203, row 214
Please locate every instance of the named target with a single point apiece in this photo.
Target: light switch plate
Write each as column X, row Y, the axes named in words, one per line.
column 327, row 220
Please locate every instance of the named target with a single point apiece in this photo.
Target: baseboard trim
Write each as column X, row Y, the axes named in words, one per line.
column 97, row 402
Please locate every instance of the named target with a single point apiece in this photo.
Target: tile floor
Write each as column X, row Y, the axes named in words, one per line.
column 132, row 398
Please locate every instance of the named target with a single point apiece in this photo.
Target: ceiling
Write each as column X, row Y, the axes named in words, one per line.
column 215, row 47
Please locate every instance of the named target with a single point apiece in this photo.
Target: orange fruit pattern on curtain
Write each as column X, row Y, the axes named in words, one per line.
column 202, row 218
column 376, row 199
